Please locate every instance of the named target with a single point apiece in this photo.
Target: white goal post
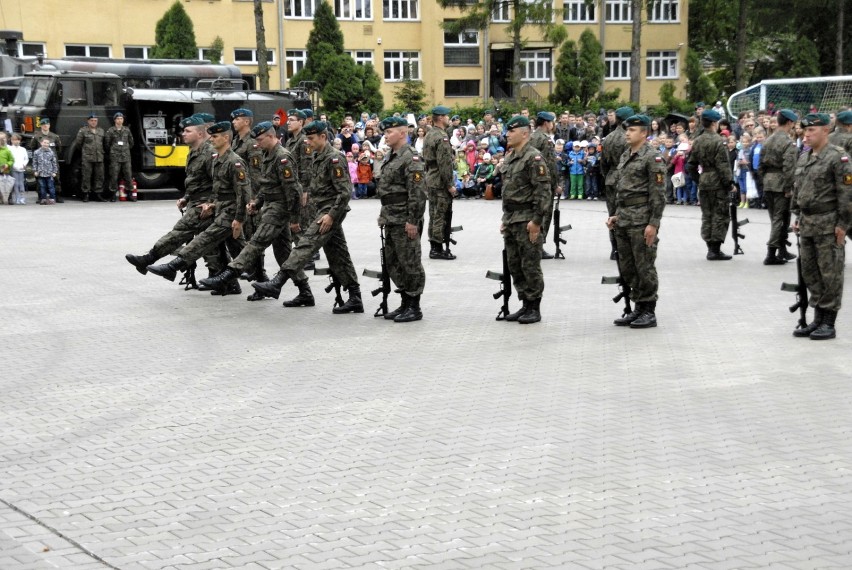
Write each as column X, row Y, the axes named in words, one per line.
column 827, row 94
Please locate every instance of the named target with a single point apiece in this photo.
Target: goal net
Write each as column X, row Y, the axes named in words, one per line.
column 826, row 94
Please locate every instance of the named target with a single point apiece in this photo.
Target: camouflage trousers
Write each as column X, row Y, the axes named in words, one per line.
column 611, row 192
column 273, row 224
column 822, row 268
column 637, row 262
column 187, row 227
column 779, row 216
column 306, row 218
column 404, row 260
column 439, row 202
column 715, row 214
column 333, row 243
column 524, row 260
column 217, row 233
column 92, row 170
column 120, row 171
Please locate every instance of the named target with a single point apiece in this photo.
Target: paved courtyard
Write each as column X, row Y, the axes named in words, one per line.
column 144, row 427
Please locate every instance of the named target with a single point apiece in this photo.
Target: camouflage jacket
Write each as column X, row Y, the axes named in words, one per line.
column 709, row 152
column 778, row 163
column 119, row 143
column 613, row 146
column 252, row 156
column 199, row 174
column 404, row 186
column 230, row 183
column 641, row 183
column 331, row 187
column 842, row 139
column 438, row 154
column 301, row 154
column 55, row 142
column 526, row 186
column 822, row 192
column 278, row 181
column 91, row 144
column 540, row 140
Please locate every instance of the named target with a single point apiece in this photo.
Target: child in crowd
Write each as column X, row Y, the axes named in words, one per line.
column 678, row 162
column 462, row 166
column 45, row 168
column 754, row 164
column 352, row 165
column 466, row 186
column 19, row 153
column 577, row 165
column 377, row 166
column 470, row 155
column 668, row 150
column 741, row 168
column 364, row 174
column 592, row 171
column 483, row 174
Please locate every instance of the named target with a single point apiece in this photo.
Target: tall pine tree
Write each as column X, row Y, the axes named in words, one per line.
column 175, row 35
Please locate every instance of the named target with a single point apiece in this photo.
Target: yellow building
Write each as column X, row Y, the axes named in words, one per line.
column 456, row 68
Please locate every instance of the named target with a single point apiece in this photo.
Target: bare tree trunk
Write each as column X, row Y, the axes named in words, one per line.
column 601, row 7
column 517, row 68
column 739, row 69
column 838, row 58
column 635, row 50
column 260, row 31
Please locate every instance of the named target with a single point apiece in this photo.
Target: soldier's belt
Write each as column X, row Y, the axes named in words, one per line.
column 200, row 197
column 518, row 207
column 392, row 199
column 820, row 209
column 273, row 196
column 636, row 201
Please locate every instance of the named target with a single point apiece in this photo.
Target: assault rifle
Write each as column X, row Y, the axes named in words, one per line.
column 624, row 287
column 333, row 283
column 505, row 291
column 800, row 290
column 735, row 225
column 558, row 240
column 449, row 228
column 383, row 276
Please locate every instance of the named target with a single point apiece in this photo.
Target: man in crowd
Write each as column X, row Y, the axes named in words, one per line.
column 119, row 141
column 90, row 141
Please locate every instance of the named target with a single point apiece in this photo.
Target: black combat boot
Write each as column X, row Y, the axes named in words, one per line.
column 533, row 314
column 447, row 254
column 546, row 254
column 648, row 318
column 437, row 251
column 99, row 196
column 353, row 304
column 169, row 270
column 113, row 196
column 772, row 257
column 256, row 273
column 399, row 310
column 625, row 320
column 825, row 330
column 84, row 196
column 305, row 298
column 221, row 281
column 271, row 288
column 715, row 253
column 512, row 317
column 141, row 262
column 232, row 288
column 784, row 254
column 412, row 312
column 804, row 332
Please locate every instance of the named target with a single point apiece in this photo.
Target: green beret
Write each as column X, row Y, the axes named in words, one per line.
column 261, row 128
column 315, row 128
column 623, row 112
column 441, row 110
column 309, row 113
column 789, row 114
column 218, row 128
column 391, row 122
column 91, row 116
column 844, row 118
column 700, row 104
column 517, row 121
column 205, row 117
column 421, row 116
column 241, row 113
column 637, row 121
column 546, row 116
column 816, row 120
column 192, row 121
column 711, row 115
column 455, row 118
column 44, row 121
column 117, row 115
column 297, row 113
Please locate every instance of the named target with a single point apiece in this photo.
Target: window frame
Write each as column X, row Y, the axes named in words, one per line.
column 42, row 45
column 536, row 57
column 360, row 60
column 401, row 60
column 625, row 6
column 254, row 60
column 581, row 6
column 88, row 49
column 661, row 58
column 456, row 95
column 657, row 9
column 146, row 52
column 502, row 14
column 620, row 58
column 368, row 4
column 292, row 61
column 386, row 10
column 289, row 6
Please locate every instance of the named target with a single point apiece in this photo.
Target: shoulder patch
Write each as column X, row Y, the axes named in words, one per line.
column 241, row 175
column 542, row 171
column 338, row 172
column 659, row 178
column 417, row 176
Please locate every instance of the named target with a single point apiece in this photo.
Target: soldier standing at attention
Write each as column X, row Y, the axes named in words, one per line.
column 403, row 195
column 55, row 145
column 640, row 201
column 612, row 147
column 842, row 137
column 244, row 145
column 438, row 155
column 822, row 195
column 331, row 189
column 777, row 165
column 231, row 187
column 714, row 184
column 542, row 139
column 119, row 141
column 90, row 141
column 526, row 196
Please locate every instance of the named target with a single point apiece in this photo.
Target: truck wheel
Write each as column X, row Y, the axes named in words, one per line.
column 152, row 179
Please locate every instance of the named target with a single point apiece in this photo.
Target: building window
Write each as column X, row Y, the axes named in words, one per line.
column 664, row 11
column 662, row 65
column 361, row 57
column 578, row 11
column 299, row 8
column 461, row 48
column 77, row 50
column 398, row 62
column 296, row 61
column 246, row 56
column 461, row 88
column 617, row 64
column 399, row 9
column 535, row 65
column 353, row 9
column 132, row 52
column 500, row 12
column 205, row 53
column 618, row 11
column 31, row 49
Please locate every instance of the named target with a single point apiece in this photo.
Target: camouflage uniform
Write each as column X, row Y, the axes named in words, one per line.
column 119, row 142
column 641, row 183
column 91, row 144
column 301, row 154
column 231, row 188
column 252, row 156
column 714, row 184
column 526, row 196
column 822, row 196
column 777, row 165
column 613, row 146
column 403, row 195
column 331, row 189
column 438, row 155
column 542, row 141
column 843, row 139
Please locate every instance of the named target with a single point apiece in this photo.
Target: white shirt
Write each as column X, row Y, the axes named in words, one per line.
column 19, row 153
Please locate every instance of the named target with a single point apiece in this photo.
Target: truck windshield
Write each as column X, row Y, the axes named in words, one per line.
column 34, row 91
